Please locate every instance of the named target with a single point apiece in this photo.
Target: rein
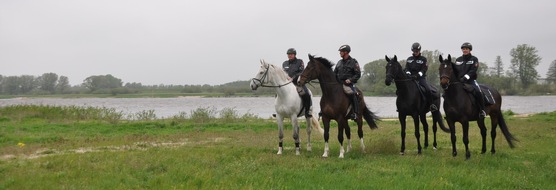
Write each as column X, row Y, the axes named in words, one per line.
column 261, row 80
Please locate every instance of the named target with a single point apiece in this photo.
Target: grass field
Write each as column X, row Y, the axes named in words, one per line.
column 67, row 148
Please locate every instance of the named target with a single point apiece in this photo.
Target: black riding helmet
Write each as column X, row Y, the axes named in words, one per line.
column 345, row 48
column 416, row 47
column 467, row 45
column 291, row 51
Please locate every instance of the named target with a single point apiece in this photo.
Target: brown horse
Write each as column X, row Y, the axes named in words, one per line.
column 335, row 104
column 411, row 102
column 459, row 106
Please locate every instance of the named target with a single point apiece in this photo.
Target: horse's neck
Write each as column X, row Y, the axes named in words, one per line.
column 329, row 85
column 286, row 89
column 405, row 86
column 455, row 94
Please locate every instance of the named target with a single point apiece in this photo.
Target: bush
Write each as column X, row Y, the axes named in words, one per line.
column 203, row 114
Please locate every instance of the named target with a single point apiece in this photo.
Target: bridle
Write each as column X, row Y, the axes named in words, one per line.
column 264, row 77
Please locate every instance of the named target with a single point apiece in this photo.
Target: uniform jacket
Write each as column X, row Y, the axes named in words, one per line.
column 466, row 64
column 416, row 64
column 294, row 67
column 348, row 69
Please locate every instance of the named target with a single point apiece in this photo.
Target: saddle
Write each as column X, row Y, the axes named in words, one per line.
column 423, row 90
column 486, row 94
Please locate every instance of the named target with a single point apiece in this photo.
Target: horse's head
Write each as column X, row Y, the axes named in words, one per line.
column 393, row 70
column 445, row 70
column 312, row 71
column 267, row 76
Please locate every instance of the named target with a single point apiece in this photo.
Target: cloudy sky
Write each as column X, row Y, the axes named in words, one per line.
column 219, row 41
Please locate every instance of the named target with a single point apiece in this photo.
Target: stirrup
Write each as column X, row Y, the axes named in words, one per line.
column 308, row 114
column 433, row 107
column 482, row 114
column 353, row 116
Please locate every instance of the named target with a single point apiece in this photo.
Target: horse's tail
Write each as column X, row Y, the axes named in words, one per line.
column 437, row 117
column 316, row 125
column 370, row 117
column 504, row 128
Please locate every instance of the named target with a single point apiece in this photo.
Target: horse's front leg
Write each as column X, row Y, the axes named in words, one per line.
column 309, row 126
column 417, row 132
column 401, row 118
column 280, row 121
column 360, row 133
column 465, row 126
column 326, row 123
column 452, row 125
column 348, row 135
column 295, row 126
column 342, row 124
column 482, row 127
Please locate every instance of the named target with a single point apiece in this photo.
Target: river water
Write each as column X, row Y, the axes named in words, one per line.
column 261, row 106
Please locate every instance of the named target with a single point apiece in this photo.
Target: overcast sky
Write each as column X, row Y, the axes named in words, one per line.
column 219, row 41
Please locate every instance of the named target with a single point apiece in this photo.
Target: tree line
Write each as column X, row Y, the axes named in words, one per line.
column 517, row 78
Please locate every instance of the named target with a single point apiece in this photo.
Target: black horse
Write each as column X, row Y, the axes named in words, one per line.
column 411, row 102
column 459, row 106
column 335, row 104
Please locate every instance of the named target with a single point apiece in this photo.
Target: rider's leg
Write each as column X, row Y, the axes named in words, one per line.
column 354, row 102
column 428, row 93
column 480, row 99
column 307, row 102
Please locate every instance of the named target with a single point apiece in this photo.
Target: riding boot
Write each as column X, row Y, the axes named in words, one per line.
column 355, row 106
column 307, row 103
column 430, row 101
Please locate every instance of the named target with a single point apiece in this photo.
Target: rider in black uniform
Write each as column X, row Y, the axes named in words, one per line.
column 294, row 67
column 465, row 69
column 348, row 72
column 416, row 67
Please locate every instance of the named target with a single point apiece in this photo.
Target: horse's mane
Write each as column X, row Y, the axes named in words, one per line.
column 281, row 73
column 324, row 61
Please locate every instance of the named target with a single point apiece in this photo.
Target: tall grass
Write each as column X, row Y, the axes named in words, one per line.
column 241, row 154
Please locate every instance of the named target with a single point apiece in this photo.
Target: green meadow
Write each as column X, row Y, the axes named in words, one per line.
column 48, row 147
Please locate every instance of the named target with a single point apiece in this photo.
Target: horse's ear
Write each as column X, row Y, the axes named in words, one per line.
column 387, row 59
column 311, row 57
column 395, row 58
column 440, row 58
column 449, row 58
column 262, row 62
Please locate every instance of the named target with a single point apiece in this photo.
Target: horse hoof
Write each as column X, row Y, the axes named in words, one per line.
column 309, row 149
column 341, row 156
column 454, row 154
column 402, row 153
column 467, row 156
column 434, row 148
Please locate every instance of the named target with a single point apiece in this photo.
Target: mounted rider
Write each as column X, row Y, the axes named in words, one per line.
column 294, row 67
column 416, row 67
column 347, row 72
column 465, row 69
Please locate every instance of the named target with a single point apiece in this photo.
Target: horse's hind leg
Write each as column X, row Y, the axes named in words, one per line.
column 494, row 123
column 309, row 125
column 434, row 129
column 295, row 125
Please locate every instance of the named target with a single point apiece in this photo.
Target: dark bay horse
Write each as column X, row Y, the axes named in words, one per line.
column 335, row 104
column 459, row 107
column 410, row 102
